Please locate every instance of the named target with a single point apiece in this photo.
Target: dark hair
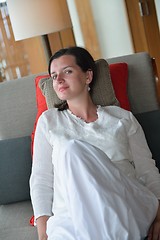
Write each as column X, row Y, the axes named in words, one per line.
column 83, row 59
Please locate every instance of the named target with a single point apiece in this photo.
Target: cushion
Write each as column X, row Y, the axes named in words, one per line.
column 15, row 169
column 17, row 108
column 141, row 81
column 41, row 105
column 119, row 77
column 102, row 92
column 14, row 222
column 150, row 122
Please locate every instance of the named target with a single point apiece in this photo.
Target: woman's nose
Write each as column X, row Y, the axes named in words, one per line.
column 60, row 77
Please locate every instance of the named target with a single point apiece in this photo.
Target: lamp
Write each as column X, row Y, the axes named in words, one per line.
column 30, row 18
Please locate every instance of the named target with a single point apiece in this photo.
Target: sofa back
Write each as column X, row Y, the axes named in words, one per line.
column 17, row 107
column 18, row 112
column 18, row 101
column 141, row 82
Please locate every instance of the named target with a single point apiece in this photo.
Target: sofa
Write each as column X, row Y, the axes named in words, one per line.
column 18, row 111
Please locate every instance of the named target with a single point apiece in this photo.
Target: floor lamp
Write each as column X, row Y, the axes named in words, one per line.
column 31, row 18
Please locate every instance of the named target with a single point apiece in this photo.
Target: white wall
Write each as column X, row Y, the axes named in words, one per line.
column 111, row 25
column 76, row 24
column 157, row 4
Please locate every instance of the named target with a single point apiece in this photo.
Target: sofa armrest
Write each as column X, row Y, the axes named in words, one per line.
column 150, row 122
column 15, row 169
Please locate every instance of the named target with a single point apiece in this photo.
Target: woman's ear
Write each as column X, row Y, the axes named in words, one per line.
column 89, row 76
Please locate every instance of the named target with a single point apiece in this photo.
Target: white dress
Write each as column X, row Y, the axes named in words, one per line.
column 105, row 183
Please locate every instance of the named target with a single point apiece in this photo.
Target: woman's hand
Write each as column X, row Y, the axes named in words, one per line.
column 43, row 238
column 41, row 227
column 154, row 231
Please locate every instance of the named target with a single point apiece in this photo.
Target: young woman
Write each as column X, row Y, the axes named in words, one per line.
column 93, row 176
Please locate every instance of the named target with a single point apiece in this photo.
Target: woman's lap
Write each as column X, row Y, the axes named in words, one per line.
column 102, row 202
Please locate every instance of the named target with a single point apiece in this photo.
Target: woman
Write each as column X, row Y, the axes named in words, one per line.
column 93, row 176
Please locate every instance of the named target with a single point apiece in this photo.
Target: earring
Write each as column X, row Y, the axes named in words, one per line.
column 89, row 88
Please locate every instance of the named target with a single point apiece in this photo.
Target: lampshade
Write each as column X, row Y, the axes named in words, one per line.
column 30, row 18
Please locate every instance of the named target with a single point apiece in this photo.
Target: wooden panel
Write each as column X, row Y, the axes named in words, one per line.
column 67, row 38
column 55, row 41
column 88, row 27
column 136, row 26
column 62, row 39
column 153, row 37
column 36, row 55
column 152, row 31
column 145, row 31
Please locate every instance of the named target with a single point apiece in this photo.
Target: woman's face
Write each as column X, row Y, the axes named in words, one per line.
column 69, row 81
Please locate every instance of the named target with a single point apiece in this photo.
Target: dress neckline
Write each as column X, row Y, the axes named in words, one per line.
column 81, row 120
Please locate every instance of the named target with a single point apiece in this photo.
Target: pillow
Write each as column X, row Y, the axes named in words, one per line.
column 119, row 77
column 15, row 169
column 41, row 105
column 102, row 91
column 40, row 99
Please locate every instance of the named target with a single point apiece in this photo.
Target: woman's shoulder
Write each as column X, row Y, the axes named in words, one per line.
column 50, row 115
column 49, row 112
column 117, row 111
column 124, row 116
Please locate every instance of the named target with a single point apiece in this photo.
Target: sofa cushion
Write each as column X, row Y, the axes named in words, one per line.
column 141, row 81
column 102, row 91
column 119, row 77
column 15, row 169
column 17, row 108
column 150, row 122
column 41, row 104
column 14, row 222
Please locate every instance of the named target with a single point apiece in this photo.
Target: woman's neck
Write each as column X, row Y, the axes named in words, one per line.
column 85, row 110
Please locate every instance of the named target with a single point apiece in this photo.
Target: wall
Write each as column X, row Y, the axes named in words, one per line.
column 111, row 25
column 76, row 24
column 157, row 3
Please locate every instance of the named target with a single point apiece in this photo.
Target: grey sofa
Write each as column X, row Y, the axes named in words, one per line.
column 17, row 115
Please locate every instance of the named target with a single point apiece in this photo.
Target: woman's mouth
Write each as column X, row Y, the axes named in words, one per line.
column 62, row 89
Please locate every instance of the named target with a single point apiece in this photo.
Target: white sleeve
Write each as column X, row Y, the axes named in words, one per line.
column 41, row 180
column 146, row 170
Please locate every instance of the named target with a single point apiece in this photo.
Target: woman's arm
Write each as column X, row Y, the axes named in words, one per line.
column 145, row 168
column 41, row 180
column 41, row 227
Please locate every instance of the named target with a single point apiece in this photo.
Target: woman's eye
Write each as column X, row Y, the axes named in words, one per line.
column 68, row 71
column 54, row 77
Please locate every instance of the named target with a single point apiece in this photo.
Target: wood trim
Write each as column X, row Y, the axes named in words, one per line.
column 54, row 41
column 62, row 39
column 88, row 27
column 67, row 38
column 136, row 25
column 145, row 31
column 152, row 33
column 36, row 55
column 157, row 77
